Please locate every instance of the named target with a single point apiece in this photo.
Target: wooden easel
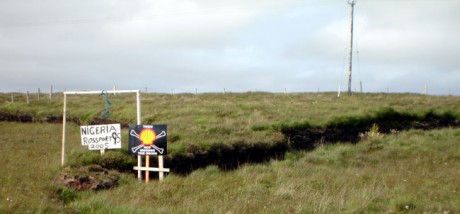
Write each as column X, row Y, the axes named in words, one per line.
column 160, row 169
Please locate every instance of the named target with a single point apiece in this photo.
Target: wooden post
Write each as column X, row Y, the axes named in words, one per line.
column 63, row 129
column 12, row 98
column 38, row 96
column 340, row 89
column 160, row 166
column 138, row 110
column 147, row 165
column 27, row 97
column 139, row 166
column 51, row 90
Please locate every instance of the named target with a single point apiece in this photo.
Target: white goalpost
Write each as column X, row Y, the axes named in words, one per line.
column 64, row 114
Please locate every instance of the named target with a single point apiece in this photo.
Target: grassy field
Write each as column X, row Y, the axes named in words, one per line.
column 414, row 171
column 410, row 171
column 206, row 119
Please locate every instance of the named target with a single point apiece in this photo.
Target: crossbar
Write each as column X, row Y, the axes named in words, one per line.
column 99, row 92
column 151, row 169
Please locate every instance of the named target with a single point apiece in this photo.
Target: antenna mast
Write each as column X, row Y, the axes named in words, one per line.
column 352, row 4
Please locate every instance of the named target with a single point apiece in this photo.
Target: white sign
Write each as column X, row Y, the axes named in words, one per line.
column 99, row 137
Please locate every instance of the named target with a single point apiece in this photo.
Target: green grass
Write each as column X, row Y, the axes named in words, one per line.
column 206, row 119
column 30, row 161
column 412, row 171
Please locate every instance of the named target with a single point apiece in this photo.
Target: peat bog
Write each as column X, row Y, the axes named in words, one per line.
column 302, row 136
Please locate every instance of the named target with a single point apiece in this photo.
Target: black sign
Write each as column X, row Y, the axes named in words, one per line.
column 147, row 140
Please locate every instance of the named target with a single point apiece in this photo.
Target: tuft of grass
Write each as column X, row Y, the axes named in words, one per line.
column 67, row 195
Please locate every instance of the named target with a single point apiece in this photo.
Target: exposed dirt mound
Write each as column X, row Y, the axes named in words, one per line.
column 92, row 177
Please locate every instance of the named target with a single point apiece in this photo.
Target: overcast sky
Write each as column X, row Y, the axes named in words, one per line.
column 240, row 45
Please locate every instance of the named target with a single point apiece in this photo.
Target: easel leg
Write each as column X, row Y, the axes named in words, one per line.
column 160, row 166
column 147, row 165
column 139, row 165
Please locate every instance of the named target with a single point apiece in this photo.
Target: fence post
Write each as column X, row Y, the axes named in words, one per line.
column 64, row 119
column 340, row 90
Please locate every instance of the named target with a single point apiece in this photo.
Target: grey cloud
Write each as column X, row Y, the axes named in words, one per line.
column 240, row 45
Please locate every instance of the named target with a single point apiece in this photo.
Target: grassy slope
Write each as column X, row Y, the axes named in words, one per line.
column 30, row 160
column 206, row 119
column 412, row 171
column 415, row 171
